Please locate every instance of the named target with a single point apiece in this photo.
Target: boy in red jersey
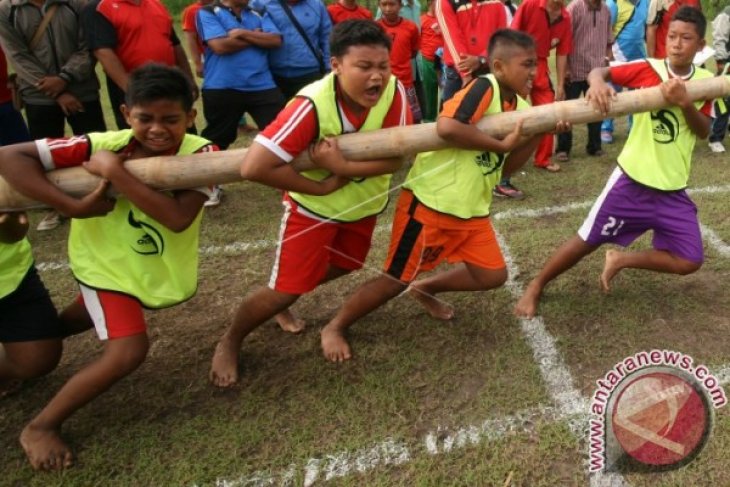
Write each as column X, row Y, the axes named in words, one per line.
column 346, row 10
column 406, row 42
column 431, row 40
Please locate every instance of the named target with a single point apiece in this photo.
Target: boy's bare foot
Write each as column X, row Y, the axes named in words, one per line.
column 288, row 322
column 224, row 367
column 610, row 269
column 438, row 309
column 526, row 307
column 45, row 449
column 334, row 345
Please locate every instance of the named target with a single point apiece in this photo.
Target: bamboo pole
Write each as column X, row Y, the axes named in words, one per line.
column 178, row 172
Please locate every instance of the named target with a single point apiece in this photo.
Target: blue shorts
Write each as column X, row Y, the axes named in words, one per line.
column 626, row 209
column 27, row 314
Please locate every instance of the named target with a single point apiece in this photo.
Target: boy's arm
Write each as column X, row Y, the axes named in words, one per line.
column 327, row 155
column 675, row 92
column 113, row 66
column 191, row 37
column 263, row 166
column 175, row 212
column 561, row 64
column 600, row 93
column 520, row 154
column 652, row 22
column 13, row 227
column 21, row 167
column 468, row 136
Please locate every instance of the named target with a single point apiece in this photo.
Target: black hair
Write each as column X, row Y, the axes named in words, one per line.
column 509, row 38
column 153, row 82
column 692, row 15
column 357, row 33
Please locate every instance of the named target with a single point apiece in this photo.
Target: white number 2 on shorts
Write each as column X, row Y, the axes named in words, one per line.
column 610, row 228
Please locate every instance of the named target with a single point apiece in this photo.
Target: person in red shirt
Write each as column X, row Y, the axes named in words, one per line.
column 657, row 24
column 406, row 42
column 195, row 44
column 126, row 34
column 467, row 26
column 431, row 40
column 348, row 9
column 548, row 22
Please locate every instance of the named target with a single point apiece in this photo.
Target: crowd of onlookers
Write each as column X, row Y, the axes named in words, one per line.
column 252, row 56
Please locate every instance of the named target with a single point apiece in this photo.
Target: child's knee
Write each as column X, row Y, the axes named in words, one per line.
column 128, row 353
column 491, row 278
column 686, row 267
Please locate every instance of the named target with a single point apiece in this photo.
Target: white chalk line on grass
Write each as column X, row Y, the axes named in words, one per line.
column 240, row 247
column 571, row 404
column 714, row 240
column 392, row 452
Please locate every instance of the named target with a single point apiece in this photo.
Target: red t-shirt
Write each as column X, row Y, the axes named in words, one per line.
column 640, row 74
column 296, row 127
column 143, row 32
column 189, row 24
column 532, row 17
column 431, row 38
column 405, row 43
column 339, row 12
column 5, row 95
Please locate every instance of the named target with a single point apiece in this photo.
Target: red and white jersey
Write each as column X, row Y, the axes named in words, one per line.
column 296, row 127
column 74, row 151
column 640, row 74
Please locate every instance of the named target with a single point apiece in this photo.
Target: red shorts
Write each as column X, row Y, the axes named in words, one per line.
column 115, row 315
column 423, row 238
column 308, row 246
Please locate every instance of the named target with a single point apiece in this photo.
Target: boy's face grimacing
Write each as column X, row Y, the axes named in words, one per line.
column 160, row 125
column 683, row 42
column 390, row 10
column 363, row 73
column 515, row 69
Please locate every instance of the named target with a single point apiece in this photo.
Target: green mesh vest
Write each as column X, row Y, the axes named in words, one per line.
column 459, row 182
column 361, row 197
column 129, row 252
column 658, row 152
column 15, row 260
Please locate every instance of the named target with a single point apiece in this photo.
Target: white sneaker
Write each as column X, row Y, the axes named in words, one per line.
column 49, row 222
column 717, row 147
column 215, row 197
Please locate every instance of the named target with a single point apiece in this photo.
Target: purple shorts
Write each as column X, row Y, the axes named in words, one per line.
column 626, row 209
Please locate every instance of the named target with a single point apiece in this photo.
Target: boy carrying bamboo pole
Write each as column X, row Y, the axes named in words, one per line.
column 443, row 210
column 143, row 253
column 647, row 189
column 329, row 213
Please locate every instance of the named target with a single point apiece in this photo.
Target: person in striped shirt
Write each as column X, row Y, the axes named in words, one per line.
column 591, row 22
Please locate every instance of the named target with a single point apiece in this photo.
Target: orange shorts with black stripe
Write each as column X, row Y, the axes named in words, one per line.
column 422, row 238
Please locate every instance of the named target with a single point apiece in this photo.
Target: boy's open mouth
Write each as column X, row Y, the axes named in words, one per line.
column 373, row 90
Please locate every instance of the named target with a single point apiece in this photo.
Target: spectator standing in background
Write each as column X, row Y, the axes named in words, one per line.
column 431, row 40
column 12, row 125
column 628, row 19
column 126, row 34
column 189, row 27
column 406, row 41
column 657, row 24
column 721, row 44
column 348, row 9
column 237, row 78
column 548, row 22
column 54, row 68
column 299, row 61
column 592, row 36
column 466, row 26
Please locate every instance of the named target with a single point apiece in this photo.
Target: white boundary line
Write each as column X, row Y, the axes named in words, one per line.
column 714, row 241
column 558, row 379
column 239, row 247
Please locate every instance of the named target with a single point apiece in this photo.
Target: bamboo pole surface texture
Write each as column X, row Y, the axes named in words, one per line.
column 178, row 172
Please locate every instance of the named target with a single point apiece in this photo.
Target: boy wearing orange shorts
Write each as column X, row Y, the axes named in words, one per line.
column 443, row 211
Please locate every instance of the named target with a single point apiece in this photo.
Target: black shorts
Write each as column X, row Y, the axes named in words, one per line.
column 27, row 314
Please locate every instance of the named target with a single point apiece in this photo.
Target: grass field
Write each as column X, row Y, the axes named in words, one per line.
column 484, row 400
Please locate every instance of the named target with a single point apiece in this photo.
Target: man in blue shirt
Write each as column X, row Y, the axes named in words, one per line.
column 237, row 77
column 297, row 63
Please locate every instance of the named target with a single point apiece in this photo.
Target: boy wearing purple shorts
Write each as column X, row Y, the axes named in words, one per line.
column 647, row 189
